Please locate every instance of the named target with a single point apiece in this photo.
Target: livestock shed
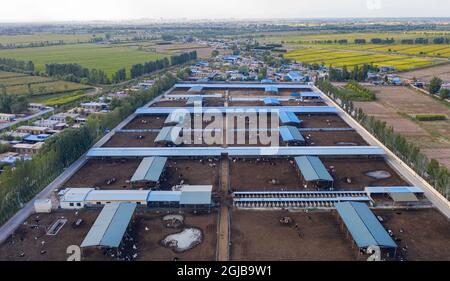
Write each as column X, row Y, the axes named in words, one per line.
column 271, row 89
column 73, row 198
column 175, row 118
column 291, row 135
column 169, row 136
column 314, row 172
column 271, row 101
column 163, row 199
column 195, row 89
column 196, row 196
column 105, row 197
column 110, row 226
column 363, row 226
column 149, row 170
column 289, row 118
column 194, row 100
column 400, row 195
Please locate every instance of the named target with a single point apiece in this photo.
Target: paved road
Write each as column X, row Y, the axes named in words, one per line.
column 439, row 201
column 8, row 125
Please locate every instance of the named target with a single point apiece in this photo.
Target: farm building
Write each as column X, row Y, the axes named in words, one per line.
column 73, row 198
column 314, row 172
column 175, row 118
column 169, row 136
column 149, row 171
column 195, row 89
column 7, row 117
column 291, row 135
column 110, row 226
column 289, row 118
column 35, row 130
column 195, row 100
column 363, row 226
column 27, row 148
column 271, row 101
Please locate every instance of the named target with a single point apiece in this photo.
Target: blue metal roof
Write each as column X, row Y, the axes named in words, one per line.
column 287, row 117
column 271, row 101
column 149, row 169
column 194, row 99
column 196, row 88
column 110, row 225
column 233, row 109
column 364, row 227
column 234, row 151
column 176, row 117
column 393, row 189
column 290, row 133
column 169, row 134
column 243, row 85
column 36, row 138
column 164, row 196
column 271, row 89
column 312, row 169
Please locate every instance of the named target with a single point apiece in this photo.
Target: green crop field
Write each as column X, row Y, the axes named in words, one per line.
column 426, row 50
column 41, row 37
column 296, row 37
column 340, row 58
column 108, row 58
column 17, row 84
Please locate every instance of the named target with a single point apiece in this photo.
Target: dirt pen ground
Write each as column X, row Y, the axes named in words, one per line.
column 348, row 138
column 252, row 175
column 146, row 122
column 182, row 103
column 145, row 139
column 350, row 173
column 322, row 121
column 259, row 236
column 256, row 92
column 433, row 138
column 149, row 241
column 201, row 171
column 282, row 103
column 426, row 74
column 96, row 172
column 282, row 174
column 424, row 233
column 31, row 243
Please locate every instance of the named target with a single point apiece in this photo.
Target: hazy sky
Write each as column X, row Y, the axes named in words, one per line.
column 80, row 10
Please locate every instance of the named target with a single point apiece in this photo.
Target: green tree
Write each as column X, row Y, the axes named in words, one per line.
column 435, row 85
column 444, row 93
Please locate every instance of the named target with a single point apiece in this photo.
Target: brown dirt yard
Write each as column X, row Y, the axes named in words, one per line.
column 425, row 233
column 250, row 174
column 394, row 102
column 146, row 122
column 149, row 241
column 202, row 171
column 28, row 238
column 426, row 74
column 355, row 169
column 322, row 121
column 259, row 236
column 96, row 172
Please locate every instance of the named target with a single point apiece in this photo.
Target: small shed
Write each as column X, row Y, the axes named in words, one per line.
column 110, row 226
column 169, row 136
column 289, row 118
column 291, row 135
column 149, row 170
column 43, row 205
column 196, row 195
column 313, row 171
column 271, row 101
